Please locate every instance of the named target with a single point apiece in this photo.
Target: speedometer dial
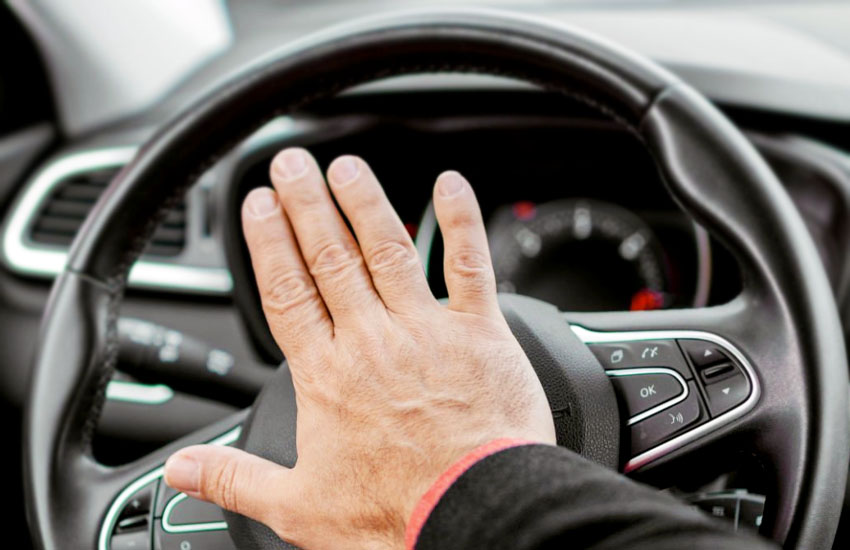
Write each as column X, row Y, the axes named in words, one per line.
column 581, row 255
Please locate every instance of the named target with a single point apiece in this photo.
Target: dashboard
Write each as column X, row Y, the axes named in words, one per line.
column 584, row 222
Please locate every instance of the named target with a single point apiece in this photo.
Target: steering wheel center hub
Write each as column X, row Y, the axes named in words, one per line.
column 582, row 400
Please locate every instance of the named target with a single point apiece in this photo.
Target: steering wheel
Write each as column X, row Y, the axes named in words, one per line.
column 786, row 397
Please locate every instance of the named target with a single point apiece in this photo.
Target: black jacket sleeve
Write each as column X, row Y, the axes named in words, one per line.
column 537, row 497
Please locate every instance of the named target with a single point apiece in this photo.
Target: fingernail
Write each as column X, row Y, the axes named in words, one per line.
column 261, row 202
column 451, row 183
column 183, row 473
column 344, row 170
column 290, row 163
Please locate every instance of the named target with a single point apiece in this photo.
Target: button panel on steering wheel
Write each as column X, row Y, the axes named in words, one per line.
column 150, row 515
column 672, row 386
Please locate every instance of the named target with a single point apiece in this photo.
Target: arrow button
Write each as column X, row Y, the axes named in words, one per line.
column 703, row 354
column 727, row 393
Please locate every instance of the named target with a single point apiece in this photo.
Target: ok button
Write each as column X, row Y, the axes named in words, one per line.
column 641, row 390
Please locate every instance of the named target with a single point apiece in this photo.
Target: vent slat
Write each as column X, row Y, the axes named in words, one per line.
column 156, row 249
column 61, row 207
column 54, row 224
column 65, row 209
column 168, row 235
column 175, row 218
column 82, row 192
column 52, row 238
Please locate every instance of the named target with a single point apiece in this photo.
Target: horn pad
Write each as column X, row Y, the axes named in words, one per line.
column 582, row 400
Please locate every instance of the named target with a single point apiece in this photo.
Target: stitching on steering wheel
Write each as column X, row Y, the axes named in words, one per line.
column 117, row 282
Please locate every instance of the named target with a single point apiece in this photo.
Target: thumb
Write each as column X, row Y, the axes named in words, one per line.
column 234, row 480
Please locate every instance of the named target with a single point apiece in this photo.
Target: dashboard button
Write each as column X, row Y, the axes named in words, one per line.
column 137, row 540
column 640, row 391
column 727, row 393
column 199, row 540
column 185, row 510
column 703, row 353
column 139, row 505
column 646, row 353
column 163, row 497
column 717, row 372
column 657, row 428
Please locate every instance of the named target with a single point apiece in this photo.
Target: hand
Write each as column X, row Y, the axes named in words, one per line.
column 391, row 386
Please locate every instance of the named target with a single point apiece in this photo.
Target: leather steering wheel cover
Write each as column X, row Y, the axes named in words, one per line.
column 647, row 100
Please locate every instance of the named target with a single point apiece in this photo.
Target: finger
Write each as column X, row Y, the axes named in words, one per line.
column 294, row 310
column 329, row 250
column 386, row 246
column 467, row 266
column 236, row 481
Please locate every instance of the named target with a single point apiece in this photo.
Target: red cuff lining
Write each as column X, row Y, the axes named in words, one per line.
column 430, row 499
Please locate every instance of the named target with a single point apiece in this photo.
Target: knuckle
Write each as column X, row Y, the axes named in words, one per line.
column 286, row 291
column 464, row 219
column 390, row 255
column 334, row 259
column 263, row 239
column 224, row 485
column 370, row 199
column 472, row 266
column 307, row 199
column 469, row 261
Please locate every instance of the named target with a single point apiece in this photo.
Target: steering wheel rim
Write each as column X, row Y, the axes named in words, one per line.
column 785, row 321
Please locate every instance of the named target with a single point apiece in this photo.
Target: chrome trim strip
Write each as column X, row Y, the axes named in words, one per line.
column 44, row 261
column 168, row 527
column 143, row 394
column 653, row 370
column 593, row 337
column 118, row 504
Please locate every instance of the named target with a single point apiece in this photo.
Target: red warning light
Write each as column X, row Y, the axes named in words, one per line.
column 524, row 210
column 412, row 229
column 646, row 299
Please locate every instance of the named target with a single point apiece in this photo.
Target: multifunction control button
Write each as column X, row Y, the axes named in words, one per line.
column 667, row 387
column 199, row 540
column 667, row 423
column 647, row 353
column 640, row 390
column 132, row 529
column 727, row 393
column 703, row 353
column 137, row 540
column 183, row 512
column 726, row 385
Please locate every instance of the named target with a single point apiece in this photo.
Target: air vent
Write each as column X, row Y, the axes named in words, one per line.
column 70, row 201
column 53, row 204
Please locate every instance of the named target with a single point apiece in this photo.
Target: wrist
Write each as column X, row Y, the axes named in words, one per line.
column 428, row 501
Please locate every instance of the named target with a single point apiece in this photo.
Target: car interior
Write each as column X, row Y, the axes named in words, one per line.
column 682, row 209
